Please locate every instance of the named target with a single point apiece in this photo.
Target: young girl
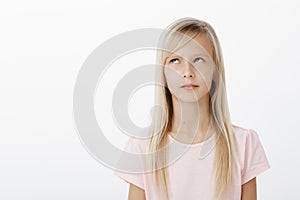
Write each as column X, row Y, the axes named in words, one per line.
column 218, row 160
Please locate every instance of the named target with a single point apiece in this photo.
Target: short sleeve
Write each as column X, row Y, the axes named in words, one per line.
column 255, row 160
column 133, row 178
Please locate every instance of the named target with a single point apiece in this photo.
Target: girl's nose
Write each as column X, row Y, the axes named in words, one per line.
column 188, row 70
column 191, row 75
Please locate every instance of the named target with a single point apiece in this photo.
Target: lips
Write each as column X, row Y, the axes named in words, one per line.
column 189, row 86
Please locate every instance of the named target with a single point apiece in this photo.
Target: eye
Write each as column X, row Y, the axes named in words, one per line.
column 173, row 60
column 197, row 59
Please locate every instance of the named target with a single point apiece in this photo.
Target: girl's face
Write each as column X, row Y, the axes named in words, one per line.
column 189, row 70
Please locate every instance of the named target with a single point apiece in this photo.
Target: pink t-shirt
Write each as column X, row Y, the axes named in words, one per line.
column 191, row 176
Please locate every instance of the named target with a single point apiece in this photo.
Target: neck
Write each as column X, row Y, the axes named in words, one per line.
column 191, row 120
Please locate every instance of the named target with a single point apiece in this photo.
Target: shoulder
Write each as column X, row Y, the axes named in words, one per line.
column 137, row 145
column 250, row 152
column 246, row 141
column 243, row 134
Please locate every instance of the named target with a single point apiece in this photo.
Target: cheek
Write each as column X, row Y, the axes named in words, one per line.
column 173, row 78
column 205, row 74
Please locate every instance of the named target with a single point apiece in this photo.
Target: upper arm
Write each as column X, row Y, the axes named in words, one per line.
column 249, row 190
column 136, row 193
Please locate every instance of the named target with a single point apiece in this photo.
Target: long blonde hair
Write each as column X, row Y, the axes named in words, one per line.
column 224, row 157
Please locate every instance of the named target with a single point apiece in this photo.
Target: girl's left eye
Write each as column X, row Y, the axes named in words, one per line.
column 197, row 59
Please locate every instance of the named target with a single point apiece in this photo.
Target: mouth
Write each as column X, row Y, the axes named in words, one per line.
column 189, row 86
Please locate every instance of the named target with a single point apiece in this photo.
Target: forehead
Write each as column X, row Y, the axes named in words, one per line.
column 200, row 45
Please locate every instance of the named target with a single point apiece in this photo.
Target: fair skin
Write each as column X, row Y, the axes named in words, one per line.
column 191, row 64
column 136, row 193
column 249, row 190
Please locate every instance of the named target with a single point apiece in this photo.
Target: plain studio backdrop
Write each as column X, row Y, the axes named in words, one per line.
column 43, row 45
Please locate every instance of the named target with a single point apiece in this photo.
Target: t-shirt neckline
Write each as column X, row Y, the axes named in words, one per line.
column 209, row 139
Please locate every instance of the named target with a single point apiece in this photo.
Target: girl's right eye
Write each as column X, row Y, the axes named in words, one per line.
column 173, row 60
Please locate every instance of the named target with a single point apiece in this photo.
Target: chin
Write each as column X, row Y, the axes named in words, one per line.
column 191, row 98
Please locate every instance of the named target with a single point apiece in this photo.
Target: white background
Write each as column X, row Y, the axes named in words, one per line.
column 44, row 43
